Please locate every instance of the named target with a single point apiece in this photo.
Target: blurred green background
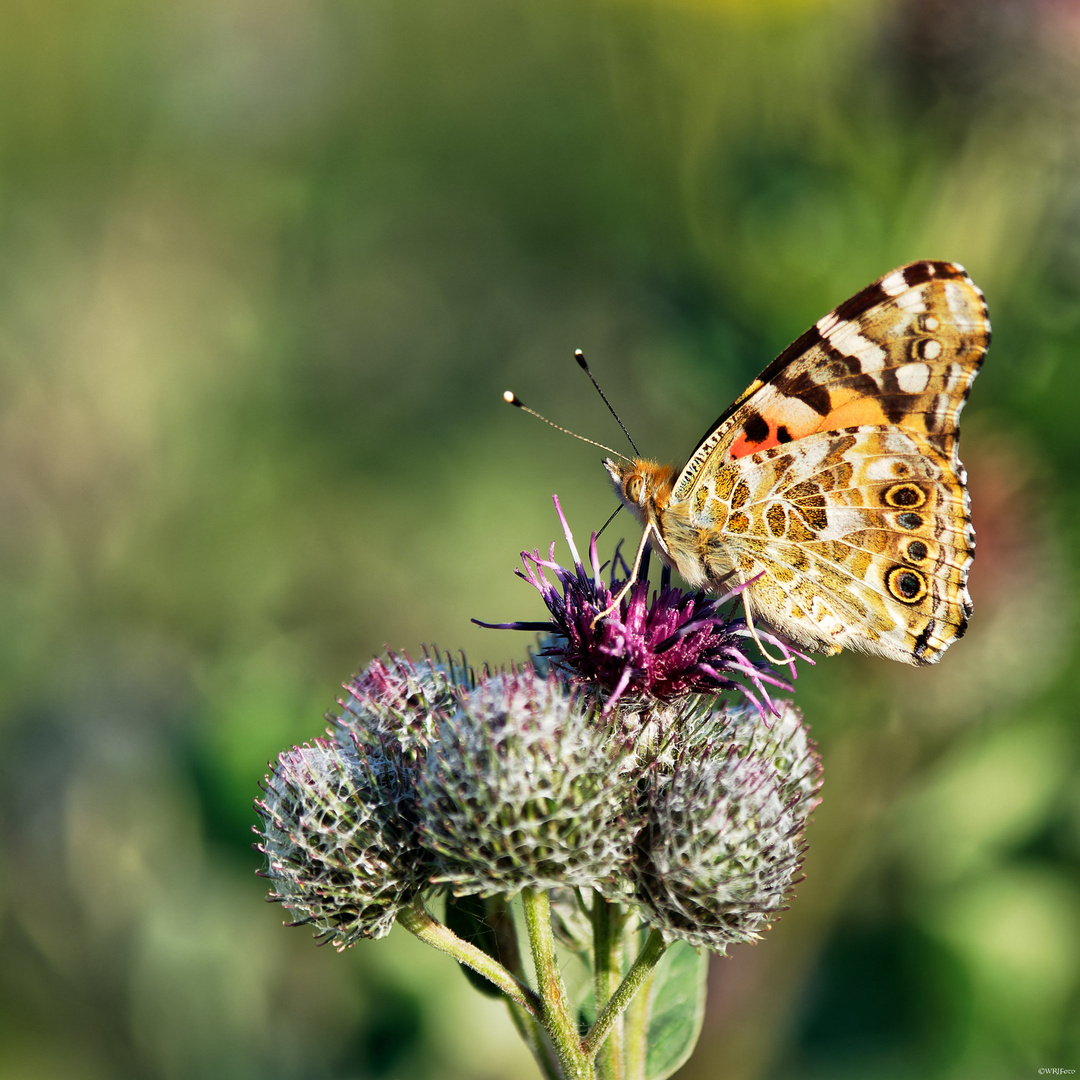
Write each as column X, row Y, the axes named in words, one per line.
column 266, row 267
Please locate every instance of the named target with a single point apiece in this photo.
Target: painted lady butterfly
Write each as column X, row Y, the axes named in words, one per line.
column 834, row 484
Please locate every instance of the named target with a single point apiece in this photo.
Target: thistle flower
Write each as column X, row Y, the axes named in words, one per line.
column 525, row 787
column 724, row 838
column 341, row 847
column 673, row 646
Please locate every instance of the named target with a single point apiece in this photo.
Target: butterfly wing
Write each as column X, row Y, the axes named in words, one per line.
column 903, row 352
column 836, row 478
column 856, row 539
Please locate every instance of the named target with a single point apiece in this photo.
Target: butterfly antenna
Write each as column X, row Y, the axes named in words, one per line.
column 512, row 399
column 579, row 356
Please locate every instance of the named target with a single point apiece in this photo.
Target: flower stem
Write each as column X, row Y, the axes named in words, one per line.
column 647, row 959
column 417, row 920
column 636, row 1030
column 607, row 922
column 557, row 1018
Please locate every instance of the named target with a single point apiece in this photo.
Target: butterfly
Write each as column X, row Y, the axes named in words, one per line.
column 832, row 488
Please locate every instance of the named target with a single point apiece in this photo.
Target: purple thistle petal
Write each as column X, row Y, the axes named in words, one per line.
column 566, row 532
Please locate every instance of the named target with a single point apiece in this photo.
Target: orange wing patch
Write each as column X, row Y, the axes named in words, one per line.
column 774, row 419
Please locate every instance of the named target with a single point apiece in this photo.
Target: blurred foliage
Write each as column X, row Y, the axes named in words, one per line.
column 265, row 268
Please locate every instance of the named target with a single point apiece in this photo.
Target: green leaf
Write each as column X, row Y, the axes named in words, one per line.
column 467, row 917
column 677, row 1008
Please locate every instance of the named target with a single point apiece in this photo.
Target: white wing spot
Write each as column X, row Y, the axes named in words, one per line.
column 894, row 283
column 826, row 323
column 912, row 378
column 931, row 323
column 846, row 338
column 913, row 301
column 896, row 442
column 931, row 349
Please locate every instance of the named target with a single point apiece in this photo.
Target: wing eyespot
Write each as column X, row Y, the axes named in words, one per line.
column 916, row 551
column 902, row 496
column 906, row 585
column 909, row 521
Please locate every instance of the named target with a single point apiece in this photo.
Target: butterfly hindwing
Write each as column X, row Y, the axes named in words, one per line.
column 851, row 539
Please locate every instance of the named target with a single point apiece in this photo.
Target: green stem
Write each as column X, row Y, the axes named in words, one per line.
column 607, row 923
column 417, row 920
column 557, row 1018
column 501, row 920
column 636, row 1030
column 647, row 959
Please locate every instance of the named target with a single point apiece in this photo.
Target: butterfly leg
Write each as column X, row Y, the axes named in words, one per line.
column 753, row 631
column 642, row 548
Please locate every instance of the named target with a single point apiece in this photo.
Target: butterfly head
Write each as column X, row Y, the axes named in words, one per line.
column 644, row 487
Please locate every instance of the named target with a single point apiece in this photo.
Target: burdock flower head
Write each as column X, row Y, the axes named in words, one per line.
column 340, row 829
column 340, row 845
column 723, row 841
column 675, row 645
column 395, row 706
column 605, row 777
column 527, row 789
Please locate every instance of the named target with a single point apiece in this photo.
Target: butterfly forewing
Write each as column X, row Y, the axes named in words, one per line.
column 902, row 352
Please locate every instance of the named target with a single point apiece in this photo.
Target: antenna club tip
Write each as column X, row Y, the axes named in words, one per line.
column 579, row 356
column 511, row 398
